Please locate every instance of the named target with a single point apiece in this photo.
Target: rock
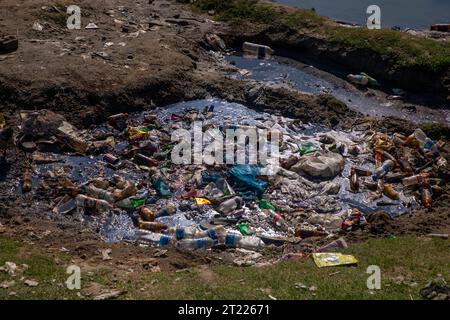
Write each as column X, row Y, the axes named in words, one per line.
column 6, row 284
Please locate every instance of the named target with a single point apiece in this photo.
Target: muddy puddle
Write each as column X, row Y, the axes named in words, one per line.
column 330, row 197
column 309, row 79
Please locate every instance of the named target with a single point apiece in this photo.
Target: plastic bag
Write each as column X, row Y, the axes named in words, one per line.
column 327, row 259
column 244, row 176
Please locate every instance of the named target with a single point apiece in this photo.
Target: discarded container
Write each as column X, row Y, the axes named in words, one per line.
column 216, row 233
column 146, row 161
column 26, row 181
column 326, row 259
column 427, row 199
column 244, row 229
column 230, row 205
column 390, row 192
column 155, row 239
column 98, row 193
column 380, row 172
column 202, row 243
column 110, row 158
column 118, row 121
column 425, row 143
column 307, row 147
column 423, row 178
column 99, row 206
column 257, row 51
column 354, row 182
column 152, row 226
column 67, row 135
column 147, row 214
column 235, row 240
column 265, row 204
column 168, row 210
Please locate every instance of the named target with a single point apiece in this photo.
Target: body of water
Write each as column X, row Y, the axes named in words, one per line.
column 417, row 14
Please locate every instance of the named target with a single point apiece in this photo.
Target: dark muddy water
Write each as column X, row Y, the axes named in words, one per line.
column 312, row 80
column 416, row 14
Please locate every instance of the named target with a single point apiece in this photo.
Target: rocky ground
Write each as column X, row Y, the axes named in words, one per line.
column 142, row 55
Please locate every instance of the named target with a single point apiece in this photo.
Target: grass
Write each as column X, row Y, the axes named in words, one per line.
column 407, row 264
column 405, row 50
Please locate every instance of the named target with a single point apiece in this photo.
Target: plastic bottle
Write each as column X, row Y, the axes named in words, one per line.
column 216, row 233
column 378, row 159
column 168, row 210
column 139, row 158
column 427, row 199
column 154, row 239
column 390, row 192
column 147, row 214
column 86, row 202
column 98, row 193
column 110, row 158
column 127, row 189
column 201, row 243
column 278, row 220
column 354, row 182
column 230, row 205
column 425, row 143
column 380, row 172
column 416, row 179
column 405, row 165
column 131, row 203
column 26, row 181
column 235, row 240
column 152, row 226
column 362, row 172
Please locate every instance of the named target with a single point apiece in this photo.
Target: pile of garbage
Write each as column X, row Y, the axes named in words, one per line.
column 121, row 176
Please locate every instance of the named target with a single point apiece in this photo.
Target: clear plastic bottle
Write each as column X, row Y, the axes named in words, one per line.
column 230, row 205
column 98, row 193
column 416, row 179
column 200, row 243
column 235, row 240
column 152, row 226
column 216, row 233
column 380, row 172
column 426, row 144
column 154, row 239
column 98, row 205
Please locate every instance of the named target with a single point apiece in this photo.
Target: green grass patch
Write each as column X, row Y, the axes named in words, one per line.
column 406, row 263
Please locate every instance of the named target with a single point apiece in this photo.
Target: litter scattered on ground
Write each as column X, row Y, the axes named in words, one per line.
column 120, row 177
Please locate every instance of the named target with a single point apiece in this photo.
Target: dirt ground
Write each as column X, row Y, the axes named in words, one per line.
column 142, row 55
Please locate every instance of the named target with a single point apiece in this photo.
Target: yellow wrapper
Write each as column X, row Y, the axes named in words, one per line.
column 202, row 201
column 325, row 259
